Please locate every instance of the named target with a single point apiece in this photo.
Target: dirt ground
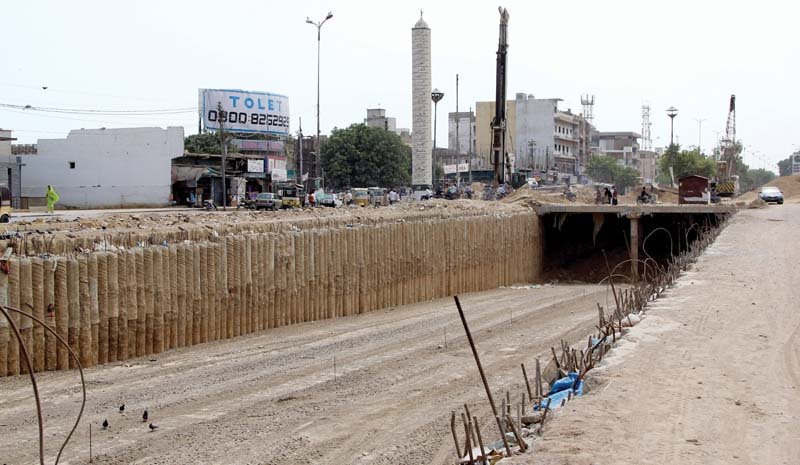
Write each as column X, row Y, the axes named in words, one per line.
column 273, row 398
column 789, row 185
column 91, row 222
column 712, row 375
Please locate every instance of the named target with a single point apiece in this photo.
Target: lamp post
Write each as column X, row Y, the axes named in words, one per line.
column 700, row 133
column 672, row 112
column 317, row 158
column 436, row 95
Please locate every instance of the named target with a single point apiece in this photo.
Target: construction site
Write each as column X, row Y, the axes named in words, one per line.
column 582, row 300
column 328, row 336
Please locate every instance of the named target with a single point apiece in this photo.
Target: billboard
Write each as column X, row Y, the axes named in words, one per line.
column 244, row 111
column 255, row 166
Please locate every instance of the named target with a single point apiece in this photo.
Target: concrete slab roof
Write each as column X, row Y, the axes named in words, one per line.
column 635, row 210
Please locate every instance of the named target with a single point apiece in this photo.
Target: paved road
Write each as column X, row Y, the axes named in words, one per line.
column 712, row 375
column 272, row 398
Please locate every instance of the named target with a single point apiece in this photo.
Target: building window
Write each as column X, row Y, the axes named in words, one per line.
column 72, row 165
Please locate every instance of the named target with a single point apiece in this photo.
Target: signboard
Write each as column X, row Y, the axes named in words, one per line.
column 450, row 169
column 463, row 167
column 259, row 145
column 255, row 166
column 274, row 163
column 278, row 175
column 245, row 111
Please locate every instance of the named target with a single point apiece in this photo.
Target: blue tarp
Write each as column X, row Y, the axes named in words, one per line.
column 561, row 390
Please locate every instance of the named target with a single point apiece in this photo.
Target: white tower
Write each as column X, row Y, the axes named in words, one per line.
column 421, row 144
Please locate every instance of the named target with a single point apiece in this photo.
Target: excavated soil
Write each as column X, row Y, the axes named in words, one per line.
column 375, row 388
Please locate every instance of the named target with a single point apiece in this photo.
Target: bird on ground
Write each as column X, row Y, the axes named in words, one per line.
column 105, row 424
column 152, row 427
column 122, row 408
column 145, row 416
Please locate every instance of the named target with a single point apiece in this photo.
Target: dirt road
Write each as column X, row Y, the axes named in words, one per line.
column 712, row 375
column 272, row 398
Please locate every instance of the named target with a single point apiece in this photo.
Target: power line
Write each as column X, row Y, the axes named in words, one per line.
column 163, row 111
column 41, row 115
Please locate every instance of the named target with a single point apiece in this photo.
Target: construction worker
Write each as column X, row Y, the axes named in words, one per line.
column 52, row 198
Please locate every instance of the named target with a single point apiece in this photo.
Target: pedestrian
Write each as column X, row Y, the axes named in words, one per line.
column 52, row 198
column 614, row 200
column 607, row 195
column 312, row 200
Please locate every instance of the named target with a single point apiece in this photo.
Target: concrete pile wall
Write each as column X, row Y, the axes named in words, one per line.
column 112, row 305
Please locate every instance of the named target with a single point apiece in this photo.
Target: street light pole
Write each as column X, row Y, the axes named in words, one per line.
column 700, row 133
column 317, row 158
column 672, row 112
column 436, row 95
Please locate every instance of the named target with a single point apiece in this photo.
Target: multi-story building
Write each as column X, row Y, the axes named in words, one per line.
column 484, row 114
column 539, row 135
column 622, row 145
column 461, row 131
column 548, row 138
column 376, row 118
column 10, row 168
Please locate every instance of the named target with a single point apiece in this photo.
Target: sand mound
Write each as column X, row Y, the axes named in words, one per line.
column 789, row 185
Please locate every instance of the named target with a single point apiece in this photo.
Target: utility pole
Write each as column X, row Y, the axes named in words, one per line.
column 458, row 142
column 224, row 147
column 469, row 151
column 300, row 138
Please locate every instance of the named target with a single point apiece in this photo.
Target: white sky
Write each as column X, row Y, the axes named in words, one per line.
column 156, row 54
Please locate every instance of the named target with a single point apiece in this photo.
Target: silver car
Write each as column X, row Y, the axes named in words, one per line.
column 771, row 194
column 268, row 201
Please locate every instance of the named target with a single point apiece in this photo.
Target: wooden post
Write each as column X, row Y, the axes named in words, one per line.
column 85, row 305
column 26, row 304
column 113, row 306
column 480, row 370
column 5, row 331
column 73, row 296
column 37, row 285
column 62, row 312
column 102, row 306
column 50, row 341
column 455, row 435
column 95, row 308
column 527, row 384
column 122, row 305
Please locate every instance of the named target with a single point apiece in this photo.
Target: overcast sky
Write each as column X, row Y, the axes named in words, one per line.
column 156, row 54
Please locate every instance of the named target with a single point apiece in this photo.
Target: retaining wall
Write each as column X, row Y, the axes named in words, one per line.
column 127, row 302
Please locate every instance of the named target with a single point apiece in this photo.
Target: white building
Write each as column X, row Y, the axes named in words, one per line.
column 105, row 168
column 376, row 118
column 548, row 138
column 461, row 125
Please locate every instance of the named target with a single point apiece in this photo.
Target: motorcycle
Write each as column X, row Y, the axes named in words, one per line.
column 644, row 199
column 569, row 195
column 208, row 204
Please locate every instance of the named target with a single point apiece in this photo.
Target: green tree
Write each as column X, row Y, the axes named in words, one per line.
column 755, row 178
column 607, row 169
column 207, row 142
column 785, row 167
column 363, row 156
column 685, row 163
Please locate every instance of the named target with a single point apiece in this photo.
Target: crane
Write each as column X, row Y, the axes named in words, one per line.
column 727, row 182
column 499, row 121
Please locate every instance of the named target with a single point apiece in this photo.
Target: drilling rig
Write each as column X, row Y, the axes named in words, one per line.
column 727, row 183
column 499, row 121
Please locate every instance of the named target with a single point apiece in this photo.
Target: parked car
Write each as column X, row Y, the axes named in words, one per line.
column 329, row 200
column 267, row 201
column 771, row 194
